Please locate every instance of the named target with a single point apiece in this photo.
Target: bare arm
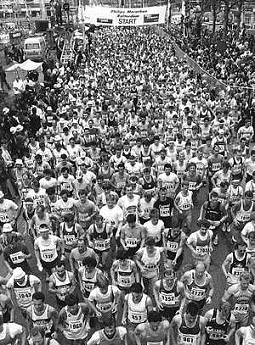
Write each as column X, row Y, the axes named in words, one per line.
column 124, row 314
column 238, row 336
column 226, row 265
column 174, row 329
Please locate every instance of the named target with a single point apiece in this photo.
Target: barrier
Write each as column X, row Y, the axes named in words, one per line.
column 198, row 69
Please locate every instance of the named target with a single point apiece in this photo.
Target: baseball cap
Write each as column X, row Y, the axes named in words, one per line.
column 18, row 162
column 18, row 273
column 7, row 227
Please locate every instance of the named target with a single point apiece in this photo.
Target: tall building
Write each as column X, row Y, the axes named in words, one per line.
column 20, row 10
column 249, row 13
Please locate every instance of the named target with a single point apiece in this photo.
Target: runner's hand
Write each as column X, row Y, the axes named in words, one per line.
column 209, row 300
column 40, row 268
column 98, row 314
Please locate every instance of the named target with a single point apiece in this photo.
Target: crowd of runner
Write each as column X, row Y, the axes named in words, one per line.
column 112, row 161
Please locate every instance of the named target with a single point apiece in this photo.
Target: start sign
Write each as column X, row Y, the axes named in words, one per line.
column 107, row 16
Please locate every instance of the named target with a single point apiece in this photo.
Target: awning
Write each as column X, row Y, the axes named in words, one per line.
column 27, row 65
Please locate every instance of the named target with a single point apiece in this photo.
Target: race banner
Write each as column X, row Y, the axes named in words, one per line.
column 109, row 16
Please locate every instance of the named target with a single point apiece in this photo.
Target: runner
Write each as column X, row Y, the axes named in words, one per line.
column 21, row 287
column 110, row 334
column 99, row 236
column 42, row 316
column 198, row 286
column 189, row 327
column 220, row 325
column 155, row 330
column 124, row 271
column 200, row 243
column 236, row 263
column 61, row 283
column 132, row 236
column 73, row 321
column 149, row 260
column 88, row 275
column 47, row 249
column 104, row 299
column 169, row 295
column 136, row 307
column 241, row 294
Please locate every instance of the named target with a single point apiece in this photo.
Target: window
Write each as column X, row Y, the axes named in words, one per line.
column 247, row 18
column 30, row 46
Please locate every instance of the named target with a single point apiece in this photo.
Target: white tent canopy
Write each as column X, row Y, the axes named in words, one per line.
column 21, row 70
column 27, row 65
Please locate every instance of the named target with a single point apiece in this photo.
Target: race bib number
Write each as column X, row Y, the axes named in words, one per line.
column 39, row 201
column 214, row 335
column 102, row 244
column 67, row 186
column 41, row 324
column 186, row 206
column 197, row 293
column 241, row 308
column 17, row 258
column 48, row 255
column 62, row 292
column 150, row 267
column 164, row 211
column 131, row 242
column 202, row 249
column 124, row 281
column 4, row 218
column 75, row 325
column 69, row 239
column 79, row 263
column 82, row 217
column 168, row 298
column 105, row 307
column 237, row 271
column 136, row 317
column 192, row 185
column 216, row 166
column 244, row 218
column 172, row 246
column 168, row 186
column 24, row 296
column 121, row 185
column 187, row 339
column 88, row 286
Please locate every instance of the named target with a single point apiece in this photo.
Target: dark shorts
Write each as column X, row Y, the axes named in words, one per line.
column 132, row 251
column 171, row 256
column 6, row 317
column 142, row 220
column 201, row 304
column 237, row 177
column 215, row 342
column 169, row 313
column 49, row 265
column 61, row 304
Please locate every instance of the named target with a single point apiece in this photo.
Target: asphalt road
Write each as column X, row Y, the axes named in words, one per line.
column 218, row 256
